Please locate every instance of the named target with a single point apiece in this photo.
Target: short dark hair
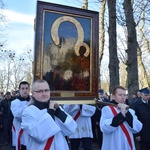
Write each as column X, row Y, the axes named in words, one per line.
column 8, row 93
column 23, row 82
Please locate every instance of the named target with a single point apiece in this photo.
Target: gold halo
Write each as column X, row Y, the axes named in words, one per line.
column 77, row 47
column 56, row 24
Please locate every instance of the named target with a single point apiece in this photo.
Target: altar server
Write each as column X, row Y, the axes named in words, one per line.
column 19, row 137
column 82, row 115
column 45, row 121
column 119, row 123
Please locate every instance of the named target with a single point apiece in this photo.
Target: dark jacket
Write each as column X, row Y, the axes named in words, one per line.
column 5, row 107
column 6, row 112
column 142, row 111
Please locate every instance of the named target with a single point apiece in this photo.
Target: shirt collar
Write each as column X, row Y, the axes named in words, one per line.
column 41, row 105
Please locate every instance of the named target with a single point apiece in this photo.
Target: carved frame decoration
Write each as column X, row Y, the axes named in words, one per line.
column 66, row 51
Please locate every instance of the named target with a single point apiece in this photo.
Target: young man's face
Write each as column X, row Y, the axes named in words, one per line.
column 8, row 96
column 138, row 94
column 120, row 96
column 13, row 93
column 134, row 96
column 24, row 90
column 41, row 92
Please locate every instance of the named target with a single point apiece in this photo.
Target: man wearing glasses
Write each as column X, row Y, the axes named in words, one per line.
column 45, row 121
column 19, row 137
column 142, row 110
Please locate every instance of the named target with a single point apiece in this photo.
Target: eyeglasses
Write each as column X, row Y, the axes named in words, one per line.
column 42, row 91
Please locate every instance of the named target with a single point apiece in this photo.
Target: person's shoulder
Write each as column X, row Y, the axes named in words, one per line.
column 136, row 103
column 3, row 100
column 87, row 106
column 14, row 101
column 31, row 110
column 106, row 108
column 12, row 98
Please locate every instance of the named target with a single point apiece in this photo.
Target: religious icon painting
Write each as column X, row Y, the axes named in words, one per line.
column 66, row 51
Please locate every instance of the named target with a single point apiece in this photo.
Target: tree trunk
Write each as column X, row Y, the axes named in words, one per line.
column 101, row 35
column 144, row 76
column 113, row 58
column 132, row 69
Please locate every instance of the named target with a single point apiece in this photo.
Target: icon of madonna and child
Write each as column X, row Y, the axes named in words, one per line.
column 71, row 72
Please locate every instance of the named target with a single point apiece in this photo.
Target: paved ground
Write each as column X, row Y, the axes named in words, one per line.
column 9, row 146
column 6, row 148
column 2, row 145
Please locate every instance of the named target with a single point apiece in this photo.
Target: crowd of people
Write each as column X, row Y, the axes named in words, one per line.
column 35, row 122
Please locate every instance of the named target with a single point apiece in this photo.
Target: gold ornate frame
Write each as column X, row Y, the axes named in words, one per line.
column 66, row 51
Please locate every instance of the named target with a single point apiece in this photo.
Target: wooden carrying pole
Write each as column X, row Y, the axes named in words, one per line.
column 94, row 101
column 76, row 102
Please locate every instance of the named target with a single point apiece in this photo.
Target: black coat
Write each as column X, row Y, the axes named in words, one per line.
column 5, row 107
column 142, row 111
